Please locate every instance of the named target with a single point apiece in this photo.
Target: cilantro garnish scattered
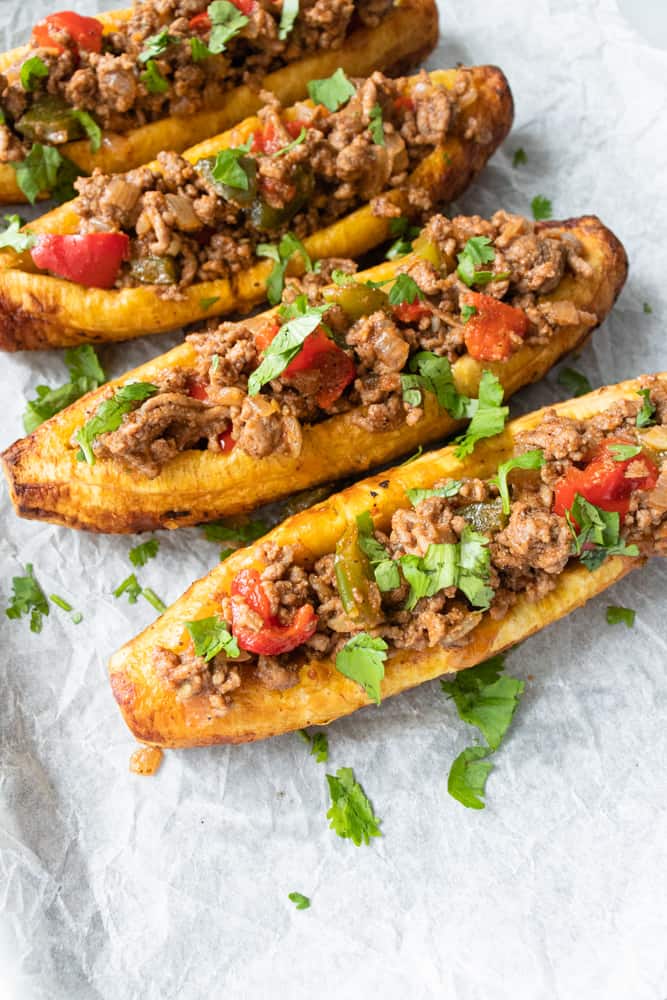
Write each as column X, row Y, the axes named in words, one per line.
column 290, row 145
column 301, row 902
column 465, row 564
column 519, row 157
column 152, row 598
column 60, row 602
column 156, row 45
column 129, row 586
column 32, row 70
column 288, row 16
column 45, row 170
column 384, row 568
column 318, row 743
column 362, row 660
column 342, row 278
column 646, row 415
column 140, row 554
column 624, row 452
column 90, row 127
column 529, row 460
column 281, row 254
column 574, row 381
column 647, row 309
column 477, row 251
column 488, row 416
column 332, row 92
column 285, row 346
column 486, row 698
column 449, row 490
column 211, row 636
column 405, row 289
column 541, row 208
column 236, row 535
column 226, row 22
column 351, row 814
column 467, row 777
column 617, row 615
column 376, row 125
column 199, row 49
column 153, row 80
column 413, row 458
column 85, row 375
column 109, row 416
column 467, row 312
column 11, row 235
column 228, row 168
column 205, row 304
column 595, row 533
column 431, row 373
column 28, row 598
column 405, row 234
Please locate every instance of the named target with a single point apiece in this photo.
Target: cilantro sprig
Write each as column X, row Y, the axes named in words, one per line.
column 226, row 22
column 488, row 415
column 211, row 636
column 140, row 554
column 351, row 814
column 281, row 254
column 596, row 533
column 28, row 598
column 362, row 660
column 156, row 45
column 318, row 743
column 529, row 460
column 109, row 416
column 86, row 374
column 44, row 170
column 465, row 564
column 476, row 252
column 333, row 92
column 646, row 415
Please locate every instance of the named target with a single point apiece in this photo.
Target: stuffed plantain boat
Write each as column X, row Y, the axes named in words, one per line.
column 423, row 570
column 183, row 239
column 114, row 90
column 339, row 379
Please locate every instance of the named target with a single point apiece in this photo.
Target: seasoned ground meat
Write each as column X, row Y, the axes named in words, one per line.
column 118, row 87
column 526, row 551
column 370, row 367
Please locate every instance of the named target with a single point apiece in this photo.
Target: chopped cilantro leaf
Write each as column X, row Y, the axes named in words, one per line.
column 226, row 22
column 152, row 598
column 199, row 49
column 477, row 251
column 281, row 254
column 449, row 490
column 362, row 660
column 467, row 312
column 405, row 289
column 288, row 16
column 235, row 535
column 405, row 234
column 342, row 278
column 301, row 902
column 384, row 568
column 85, row 375
column 156, row 45
column 485, row 699
column 574, row 381
column 129, row 586
column 290, row 145
column 624, row 452
column 519, row 157
column 647, row 309
column 90, row 127
column 529, row 460
column 488, row 416
column 229, row 170
column 413, row 458
column 153, row 80
column 646, row 415
column 43, row 170
column 109, row 416
column 205, row 304
column 32, row 70
column 465, row 564
column 467, row 777
column 28, row 598
column 595, row 533
column 140, row 554
column 617, row 615
column 11, row 235
column 351, row 814
column 318, row 743
column 210, row 636
column 376, row 125
column 541, row 208
column 285, row 346
column 431, row 373
column 332, row 92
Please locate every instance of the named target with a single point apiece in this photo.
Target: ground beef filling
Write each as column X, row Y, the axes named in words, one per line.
column 529, row 549
column 185, row 226
column 197, row 408
column 113, row 87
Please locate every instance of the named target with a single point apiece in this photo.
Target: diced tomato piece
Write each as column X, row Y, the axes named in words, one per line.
column 86, row 32
column 197, row 388
column 488, row 333
column 200, row 22
column 92, row 259
column 272, row 639
column 605, row 482
column 265, row 334
column 335, row 368
column 266, row 141
column 412, row 312
column 226, row 442
column 404, row 103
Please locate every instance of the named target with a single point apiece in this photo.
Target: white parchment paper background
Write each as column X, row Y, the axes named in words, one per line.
column 114, row 886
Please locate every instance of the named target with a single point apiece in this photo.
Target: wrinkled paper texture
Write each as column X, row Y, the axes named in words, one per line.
column 114, row 886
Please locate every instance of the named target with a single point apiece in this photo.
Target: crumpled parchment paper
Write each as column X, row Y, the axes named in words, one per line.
column 114, row 886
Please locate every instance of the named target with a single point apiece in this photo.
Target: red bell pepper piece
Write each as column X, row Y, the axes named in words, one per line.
column 265, row 140
column 226, row 442
column 411, row 312
column 319, row 353
column 92, row 259
column 488, row 332
column 605, row 482
column 86, row 32
column 272, row 639
column 404, row 103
